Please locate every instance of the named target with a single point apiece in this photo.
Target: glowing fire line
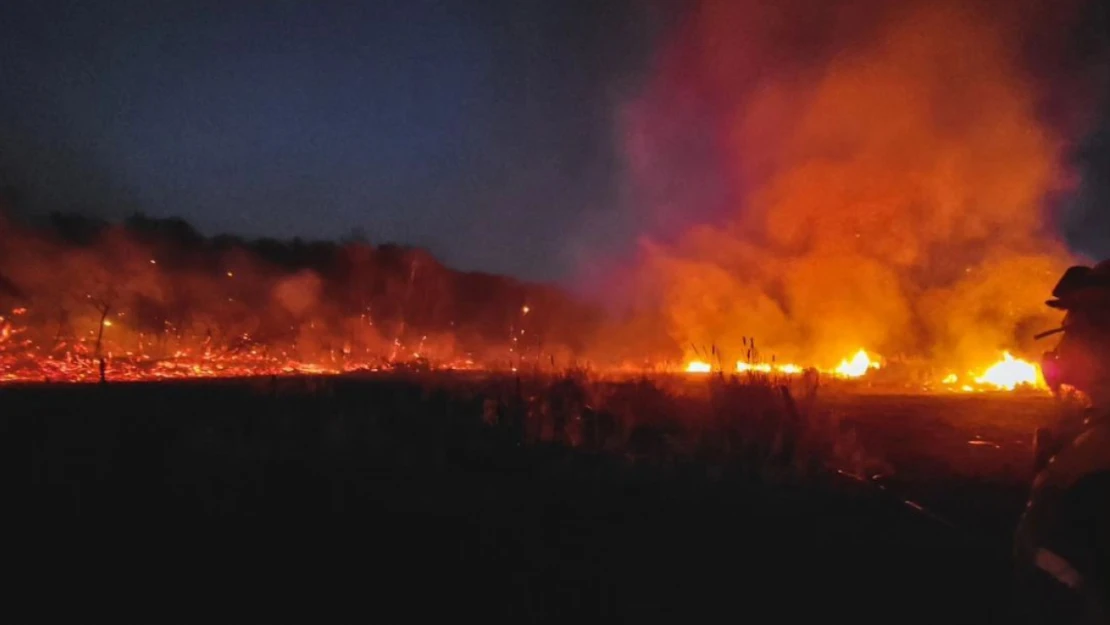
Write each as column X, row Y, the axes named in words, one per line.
column 858, row 365
column 77, row 361
column 1007, row 374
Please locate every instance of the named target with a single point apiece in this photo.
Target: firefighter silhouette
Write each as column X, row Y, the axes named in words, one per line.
column 1062, row 544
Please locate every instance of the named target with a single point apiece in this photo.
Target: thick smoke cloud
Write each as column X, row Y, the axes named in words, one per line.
column 850, row 175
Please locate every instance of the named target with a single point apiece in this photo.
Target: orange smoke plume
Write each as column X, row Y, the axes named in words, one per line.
column 847, row 176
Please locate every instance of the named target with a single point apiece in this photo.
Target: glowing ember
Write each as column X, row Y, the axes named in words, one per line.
column 22, row 360
column 698, row 366
column 951, row 378
column 1009, row 373
column 857, row 366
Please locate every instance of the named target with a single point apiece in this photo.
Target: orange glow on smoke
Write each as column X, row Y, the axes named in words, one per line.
column 827, row 177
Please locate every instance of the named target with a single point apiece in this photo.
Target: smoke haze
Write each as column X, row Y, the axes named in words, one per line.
column 850, row 175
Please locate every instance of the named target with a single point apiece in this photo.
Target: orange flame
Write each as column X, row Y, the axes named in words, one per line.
column 698, row 366
column 856, row 366
column 860, row 364
column 1009, row 373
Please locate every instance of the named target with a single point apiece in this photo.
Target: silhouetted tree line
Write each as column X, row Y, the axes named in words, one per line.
column 161, row 279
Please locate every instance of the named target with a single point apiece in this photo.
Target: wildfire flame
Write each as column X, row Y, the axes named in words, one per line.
column 857, row 366
column 787, row 369
column 1009, row 373
column 698, row 366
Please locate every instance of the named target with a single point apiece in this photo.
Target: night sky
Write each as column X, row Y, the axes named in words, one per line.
column 482, row 130
column 485, row 131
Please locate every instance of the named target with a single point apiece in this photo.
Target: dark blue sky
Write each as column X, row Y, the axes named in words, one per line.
column 482, row 130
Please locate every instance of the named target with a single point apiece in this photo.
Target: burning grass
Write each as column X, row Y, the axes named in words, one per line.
column 151, row 300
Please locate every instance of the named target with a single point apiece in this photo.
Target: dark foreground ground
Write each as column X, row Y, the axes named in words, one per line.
column 383, row 501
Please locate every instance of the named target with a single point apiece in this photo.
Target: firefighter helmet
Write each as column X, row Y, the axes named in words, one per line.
column 1082, row 287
